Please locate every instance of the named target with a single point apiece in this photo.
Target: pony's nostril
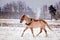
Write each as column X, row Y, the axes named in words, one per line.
column 20, row 21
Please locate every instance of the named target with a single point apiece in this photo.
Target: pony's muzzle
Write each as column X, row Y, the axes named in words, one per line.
column 20, row 21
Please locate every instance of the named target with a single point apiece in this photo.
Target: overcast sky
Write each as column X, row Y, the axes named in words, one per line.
column 34, row 4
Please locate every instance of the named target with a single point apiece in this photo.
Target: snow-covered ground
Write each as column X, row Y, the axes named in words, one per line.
column 14, row 33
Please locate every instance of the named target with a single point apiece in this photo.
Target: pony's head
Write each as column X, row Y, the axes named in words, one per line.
column 22, row 18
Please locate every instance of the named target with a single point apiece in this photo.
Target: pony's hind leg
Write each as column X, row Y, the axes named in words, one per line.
column 45, row 32
column 32, row 31
column 24, row 31
column 40, row 31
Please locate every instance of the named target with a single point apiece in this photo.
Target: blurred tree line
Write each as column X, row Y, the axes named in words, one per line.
column 14, row 10
column 57, row 6
column 45, row 11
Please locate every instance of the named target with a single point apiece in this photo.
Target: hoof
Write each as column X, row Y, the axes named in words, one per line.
column 21, row 35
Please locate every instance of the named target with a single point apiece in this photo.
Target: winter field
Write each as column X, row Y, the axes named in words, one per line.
column 12, row 30
column 14, row 33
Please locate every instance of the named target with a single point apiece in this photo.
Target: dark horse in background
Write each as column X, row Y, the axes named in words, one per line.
column 52, row 11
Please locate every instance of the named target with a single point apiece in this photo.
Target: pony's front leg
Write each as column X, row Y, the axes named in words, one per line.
column 24, row 31
column 32, row 31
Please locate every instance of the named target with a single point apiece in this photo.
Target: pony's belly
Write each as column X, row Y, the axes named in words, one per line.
column 35, row 24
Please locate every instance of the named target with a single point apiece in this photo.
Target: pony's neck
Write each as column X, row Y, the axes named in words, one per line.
column 27, row 19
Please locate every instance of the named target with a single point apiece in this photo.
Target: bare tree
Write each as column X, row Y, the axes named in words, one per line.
column 15, row 10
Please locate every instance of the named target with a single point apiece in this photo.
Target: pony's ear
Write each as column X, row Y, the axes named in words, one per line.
column 23, row 15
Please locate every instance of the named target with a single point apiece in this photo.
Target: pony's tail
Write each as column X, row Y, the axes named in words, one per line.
column 49, row 27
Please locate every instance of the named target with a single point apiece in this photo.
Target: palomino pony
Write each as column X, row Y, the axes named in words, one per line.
column 33, row 23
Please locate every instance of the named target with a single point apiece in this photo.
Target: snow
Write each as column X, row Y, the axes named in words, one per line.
column 14, row 33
